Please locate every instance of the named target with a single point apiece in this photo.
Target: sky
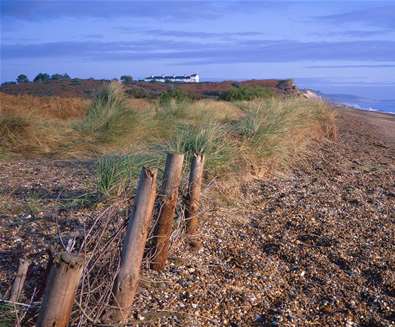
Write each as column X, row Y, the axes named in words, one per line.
column 333, row 46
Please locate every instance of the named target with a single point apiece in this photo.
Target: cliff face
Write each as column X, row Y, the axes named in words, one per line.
column 88, row 88
column 309, row 94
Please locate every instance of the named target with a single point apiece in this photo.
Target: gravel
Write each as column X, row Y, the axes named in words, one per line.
column 313, row 247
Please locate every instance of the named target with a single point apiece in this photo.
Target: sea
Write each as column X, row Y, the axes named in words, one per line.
column 362, row 103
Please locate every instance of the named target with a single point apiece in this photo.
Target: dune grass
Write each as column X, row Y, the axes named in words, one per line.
column 108, row 116
column 126, row 134
column 117, row 173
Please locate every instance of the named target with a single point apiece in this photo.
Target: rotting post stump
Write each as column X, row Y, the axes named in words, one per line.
column 167, row 204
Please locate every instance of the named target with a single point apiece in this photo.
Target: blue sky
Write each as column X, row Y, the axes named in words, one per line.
column 335, row 46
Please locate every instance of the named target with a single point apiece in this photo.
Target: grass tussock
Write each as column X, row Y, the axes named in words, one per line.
column 237, row 138
column 117, row 173
column 108, row 116
column 281, row 130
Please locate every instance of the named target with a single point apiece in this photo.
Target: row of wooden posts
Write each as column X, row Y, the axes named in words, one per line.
column 66, row 269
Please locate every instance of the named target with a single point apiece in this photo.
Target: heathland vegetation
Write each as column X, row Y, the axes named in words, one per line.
column 247, row 133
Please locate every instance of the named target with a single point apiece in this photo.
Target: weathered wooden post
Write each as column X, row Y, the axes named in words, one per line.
column 45, row 275
column 19, row 280
column 60, row 291
column 167, row 202
column 140, row 218
column 193, row 199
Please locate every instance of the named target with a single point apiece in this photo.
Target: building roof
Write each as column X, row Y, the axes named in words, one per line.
column 179, row 77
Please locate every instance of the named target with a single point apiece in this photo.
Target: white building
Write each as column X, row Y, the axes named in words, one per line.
column 193, row 78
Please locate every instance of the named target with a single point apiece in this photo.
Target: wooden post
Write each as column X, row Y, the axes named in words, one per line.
column 60, row 291
column 140, row 218
column 19, row 280
column 193, row 199
column 45, row 275
column 168, row 201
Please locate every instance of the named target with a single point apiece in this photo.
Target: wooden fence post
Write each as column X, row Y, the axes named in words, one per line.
column 193, row 199
column 19, row 280
column 45, row 275
column 140, row 218
column 168, row 201
column 60, row 291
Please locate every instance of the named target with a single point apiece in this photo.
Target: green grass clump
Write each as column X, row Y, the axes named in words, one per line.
column 210, row 139
column 116, row 173
column 273, row 126
column 246, row 93
column 263, row 120
column 108, row 116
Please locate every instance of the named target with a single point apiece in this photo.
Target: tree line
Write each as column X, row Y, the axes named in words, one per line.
column 44, row 77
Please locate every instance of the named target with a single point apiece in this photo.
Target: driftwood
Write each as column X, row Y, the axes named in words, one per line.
column 193, row 199
column 167, row 205
column 19, row 280
column 125, row 286
column 60, row 291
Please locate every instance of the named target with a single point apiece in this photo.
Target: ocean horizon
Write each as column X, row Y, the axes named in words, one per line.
column 362, row 103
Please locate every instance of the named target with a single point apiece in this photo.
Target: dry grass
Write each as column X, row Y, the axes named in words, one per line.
column 34, row 126
column 280, row 130
column 45, row 107
column 244, row 138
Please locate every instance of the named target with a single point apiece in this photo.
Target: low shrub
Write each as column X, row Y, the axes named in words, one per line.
column 246, row 93
column 140, row 93
column 176, row 95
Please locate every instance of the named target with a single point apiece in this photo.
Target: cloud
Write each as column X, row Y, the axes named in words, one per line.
column 351, row 66
column 361, row 34
column 92, row 49
column 159, row 9
column 193, row 52
column 189, row 34
column 93, row 36
column 383, row 16
column 290, row 51
column 43, row 10
column 356, row 33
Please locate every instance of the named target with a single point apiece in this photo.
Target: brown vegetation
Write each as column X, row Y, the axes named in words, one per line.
column 88, row 88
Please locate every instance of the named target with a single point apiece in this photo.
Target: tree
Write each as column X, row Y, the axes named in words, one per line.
column 41, row 77
column 8, row 83
column 58, row 77
column 126, row 79
column 22, row 78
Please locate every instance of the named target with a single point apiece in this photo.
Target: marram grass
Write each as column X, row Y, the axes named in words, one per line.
column 125, row 135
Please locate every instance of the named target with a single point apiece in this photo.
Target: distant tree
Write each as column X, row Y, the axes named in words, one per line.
column 126, row 79
column 8, row 83
column 58, row 77
column 41, row 77
column 76, row 81
column 22, row 78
